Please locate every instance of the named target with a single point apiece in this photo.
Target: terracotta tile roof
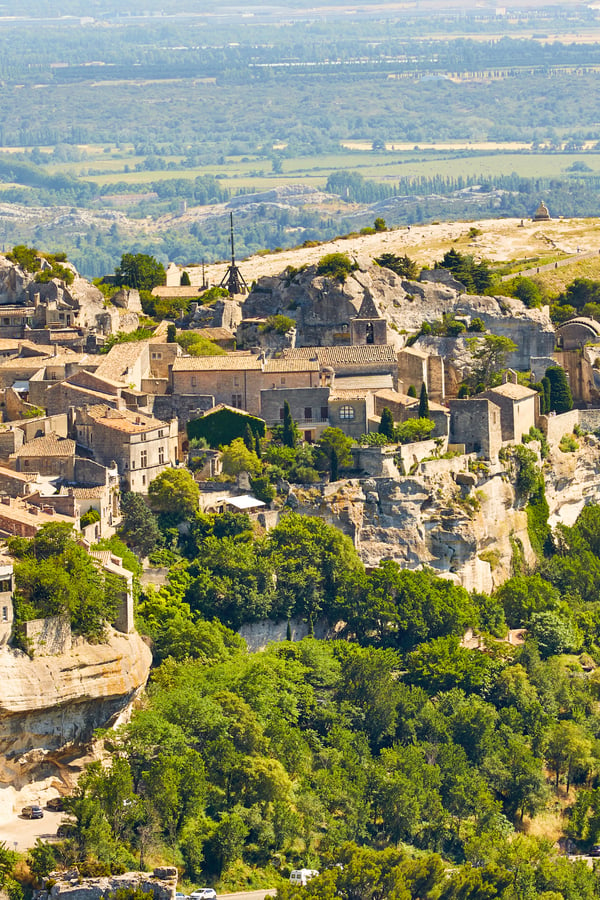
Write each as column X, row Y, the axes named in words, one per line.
column 49, row 445
column 350, row 394
column 120, row 358
column 357, row 354
column 90, row 493
column 291, row 365
column 123, row 419
column 512, row 391
column 237, row 362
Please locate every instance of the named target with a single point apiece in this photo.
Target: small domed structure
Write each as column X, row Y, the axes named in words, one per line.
column 541, row 214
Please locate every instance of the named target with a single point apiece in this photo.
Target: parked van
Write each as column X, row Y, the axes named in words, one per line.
column 302, row 876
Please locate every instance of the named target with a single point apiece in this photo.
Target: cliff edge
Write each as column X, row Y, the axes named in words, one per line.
column 51, row 705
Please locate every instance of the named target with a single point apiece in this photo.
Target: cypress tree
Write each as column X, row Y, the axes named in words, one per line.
column 335, row 464
column 561, row 399
column 412, row 391
column 257, row 447
column 423, row 403
column 386, row 426
column 546, row 397
column 248, row 438
column 288, row 435
column 171, row 333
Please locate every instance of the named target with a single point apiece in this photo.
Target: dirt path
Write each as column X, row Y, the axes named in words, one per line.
column 498, row 240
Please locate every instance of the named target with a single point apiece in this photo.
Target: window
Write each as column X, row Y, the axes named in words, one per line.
column 161, row 432
column 5, row 585
column 193, row 381
column 324, row 413
column 236, row 400
column 236, row 381
column 144, row 459
column 143, row 479
column 308, row 413
column 5, row 613
column 346, row 412
column 283, row 380
column 144, row 436
column 161, row 456
column 281, row 413
column 132, row 464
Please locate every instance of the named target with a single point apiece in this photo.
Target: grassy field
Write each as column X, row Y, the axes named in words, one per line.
column 110, row 165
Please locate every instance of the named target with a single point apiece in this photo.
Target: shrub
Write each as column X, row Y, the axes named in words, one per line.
column 568, row 444
column 279, row 324
column 336, row 265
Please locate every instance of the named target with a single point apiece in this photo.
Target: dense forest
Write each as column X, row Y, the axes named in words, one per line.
column 394, row 759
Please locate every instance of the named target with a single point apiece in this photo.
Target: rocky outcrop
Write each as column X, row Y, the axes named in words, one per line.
column 51, row 705
column 323, row 308
column 161, row 883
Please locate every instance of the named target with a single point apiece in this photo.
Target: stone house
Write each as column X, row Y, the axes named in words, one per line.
column 519, row 408
column 350, row 410
column 18, row 517
column 234, row 380
column 6, row 602
column 416, row 367
column 309, row 407
column 141, row 446
column 50, row 455
column 403, row 407
column 475, row 423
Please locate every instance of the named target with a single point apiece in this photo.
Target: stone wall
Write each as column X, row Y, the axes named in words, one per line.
column 258, row 635
column 554, row 427
column 48, row 637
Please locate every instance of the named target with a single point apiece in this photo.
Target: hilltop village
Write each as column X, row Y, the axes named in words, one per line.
column 437, row 429
column 80, row 426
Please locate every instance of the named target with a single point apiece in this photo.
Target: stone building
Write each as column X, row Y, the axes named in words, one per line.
column 350, row 410
column 518, row 407
column 141, row 447
column 475, row 422
column 309, row 408
column 368, row 327
column 542, row 213
column 6, row 602
column 403, row 407
column 48, row 455
column 576, row 333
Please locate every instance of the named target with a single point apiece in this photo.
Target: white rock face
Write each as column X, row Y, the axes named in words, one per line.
column 51, row 705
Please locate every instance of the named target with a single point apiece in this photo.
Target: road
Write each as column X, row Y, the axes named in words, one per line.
column 249, row 895
column 25, row 832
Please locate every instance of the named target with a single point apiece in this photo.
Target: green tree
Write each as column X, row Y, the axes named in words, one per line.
column 139, row 528
column 334, row 440
column 401, row 265
column 526, row 290
column 185, row 279
column 171, row 333
column 140, row 271
column 561, row 399
column 379, row 224
column 489, row 354
column 236, row 458
column 174, row 491
column 412, row 391
column 414, row 430
column 568, row 749
column 289, row 432
column 386, row 425
column 423, row 403
column 336, row 265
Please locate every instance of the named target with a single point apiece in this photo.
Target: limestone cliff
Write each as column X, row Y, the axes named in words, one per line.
column 459, row 516
column 51, row 705
column 323, row 308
